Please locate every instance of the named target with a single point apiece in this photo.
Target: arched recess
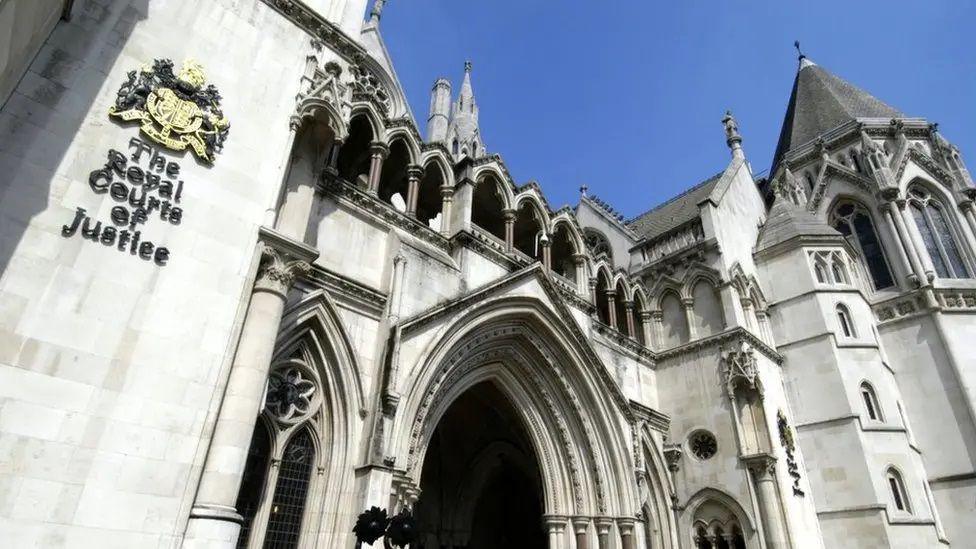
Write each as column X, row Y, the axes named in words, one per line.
column 315, row 386
column 393, row 184
column 429, row 200
column 488, row 206
column 708, row 314
column 354, row 156
column 709, row 510
column 530, row 226
column 655, row 492
column 563, row 249
column 309, row 156
column 603, row 281
column 572, row 410
column 620, row 304
column 673, row 319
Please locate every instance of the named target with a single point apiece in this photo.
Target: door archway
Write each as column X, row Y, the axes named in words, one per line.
column 481, row 486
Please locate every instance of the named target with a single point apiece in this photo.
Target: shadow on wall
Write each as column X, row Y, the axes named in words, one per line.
column 42, row 116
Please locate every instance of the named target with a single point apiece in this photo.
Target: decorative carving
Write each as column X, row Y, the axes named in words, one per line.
column 740, row 367
column 786, row 439
column 366, row 86
column 672, row 455
column 289, row 394
column 317, row 26
column 277, row 273
column 703, row 445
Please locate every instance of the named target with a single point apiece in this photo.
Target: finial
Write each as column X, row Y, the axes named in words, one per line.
column 377, row 11
column 732, row 137
column 467, row 66
column 799, row 52
column 583, row 189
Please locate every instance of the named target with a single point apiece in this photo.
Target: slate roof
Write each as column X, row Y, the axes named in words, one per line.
column 786, row 221
column 676, row 211
column 820, row 101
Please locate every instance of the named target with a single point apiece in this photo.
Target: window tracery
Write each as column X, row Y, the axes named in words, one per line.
column 937, row 234
column 854, row 222
column 703, row 445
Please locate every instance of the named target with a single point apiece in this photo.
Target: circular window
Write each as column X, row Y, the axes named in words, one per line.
column 702, row 444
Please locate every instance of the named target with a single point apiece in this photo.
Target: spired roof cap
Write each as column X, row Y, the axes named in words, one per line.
column 786, row 221
column 821, row 101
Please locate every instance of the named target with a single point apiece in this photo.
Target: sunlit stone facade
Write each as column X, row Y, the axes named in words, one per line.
column 243, row 300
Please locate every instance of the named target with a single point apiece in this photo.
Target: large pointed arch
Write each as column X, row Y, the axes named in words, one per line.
column 578, row 428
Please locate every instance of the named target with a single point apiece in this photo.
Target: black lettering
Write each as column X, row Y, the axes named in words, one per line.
column 68, row 231
column 103, row 174
column 135, row 242
column 166, row 189
column 118, row 191
column 153, row 205
column 176, row 216
column 164, row 210
column 120, row 216
column 152, row 181
column 91, row 233
column 173, row 170
column 158, row 163
column 179, row 192
column 108, row 236
column 140, row 146
column 139, row 217
column 124, row 236
column 135, row 175
column 146, row 250
column 117, row 162
column 141, row 201
column 161, row 256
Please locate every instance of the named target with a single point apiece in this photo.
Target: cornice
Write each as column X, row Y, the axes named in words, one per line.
column 288, row 247
column 735, row 334
column 335, row 283
column 659, row 421
column 623, row 344
column 318, row 27
column 483, row 245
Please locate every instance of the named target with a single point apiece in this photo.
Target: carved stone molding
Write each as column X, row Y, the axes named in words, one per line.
column 731, row 337
column 277, row 273
column 763, row 466
column 672, row 455
column 318, row 27
column 740, row 368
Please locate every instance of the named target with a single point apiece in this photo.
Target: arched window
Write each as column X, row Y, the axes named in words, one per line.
column 620, row 306
column 602, row 302
column 856, row 162
column 854, row 222
column 937, row 234
column 845, row 322
column 597, row 243
column 674, row 319
column 355, row 155
column 707, row 312
column 454, row 147
column 899, row 496
column 820, row 270
column 288, row 506
column 871, row 406
column 837, row 269
column 487, row 206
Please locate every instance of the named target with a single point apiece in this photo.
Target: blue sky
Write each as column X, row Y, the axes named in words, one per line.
column 627, row 95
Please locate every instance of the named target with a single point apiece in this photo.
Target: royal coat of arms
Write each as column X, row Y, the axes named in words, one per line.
column 175, row 110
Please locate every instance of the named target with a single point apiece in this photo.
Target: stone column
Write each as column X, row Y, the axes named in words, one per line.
column 657, row 318
column 914, row 241
column 629, row 308
column 414, row 173
column 546, row 244
column 593, row 283
column 763, row 321
column 747, row 312
column 626, row 527
column 689, row 306
column 213, row 518
column 378, row 151
column 555, row 526
column 270, row 215
column 969, row 214
column 447, row 200
column 646, row 328
column 763, row 469
column 612, row 308
column 579, row 261
column 908, row 264
column 603, row 525
column 509, row 229
column 581, row 527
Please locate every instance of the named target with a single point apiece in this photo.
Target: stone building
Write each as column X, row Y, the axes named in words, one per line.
column 244, row 300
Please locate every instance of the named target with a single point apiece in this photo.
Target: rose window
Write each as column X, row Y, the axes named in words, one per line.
column 289, row 394
column 703, row 444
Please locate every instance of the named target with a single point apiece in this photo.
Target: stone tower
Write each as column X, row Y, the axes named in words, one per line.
column 455, row 126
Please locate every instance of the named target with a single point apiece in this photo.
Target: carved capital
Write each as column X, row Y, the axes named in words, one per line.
column 763, row 466
column 415, row 172
column 672, row 455
column 278, row 271
column 379, row 148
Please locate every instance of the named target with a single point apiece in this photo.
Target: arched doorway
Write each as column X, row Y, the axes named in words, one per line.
column 480, row 483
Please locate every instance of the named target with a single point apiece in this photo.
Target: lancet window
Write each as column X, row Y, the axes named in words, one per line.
column 937, row 234
column 854, row 222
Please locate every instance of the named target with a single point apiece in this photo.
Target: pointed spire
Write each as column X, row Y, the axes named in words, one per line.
column 466, row 95
column 820, row 102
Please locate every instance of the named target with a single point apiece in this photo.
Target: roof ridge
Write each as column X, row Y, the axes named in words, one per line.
column 676, row 197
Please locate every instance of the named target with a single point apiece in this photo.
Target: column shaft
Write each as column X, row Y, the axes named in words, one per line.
column 629, row 308
column 509, row 230
column 612, row 308
column 689, row 306
column 378, row 151
column 447, row 202
column 764, row 474
column 904, row 240
column 414, row 173
column 915, row 241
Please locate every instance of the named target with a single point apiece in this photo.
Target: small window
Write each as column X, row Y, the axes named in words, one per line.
column 899, row 497
column 844, row 320
column 818, row 267
column 454, row 147
column 870, row 402
column 855, row 162
column 838, row 270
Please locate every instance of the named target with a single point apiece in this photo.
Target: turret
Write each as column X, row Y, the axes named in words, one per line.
column 440, row 105
column 464, row 135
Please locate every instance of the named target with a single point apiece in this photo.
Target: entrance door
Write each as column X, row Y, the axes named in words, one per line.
column 480, row 485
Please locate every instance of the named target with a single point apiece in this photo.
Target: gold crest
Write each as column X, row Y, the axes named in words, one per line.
column 174, row 110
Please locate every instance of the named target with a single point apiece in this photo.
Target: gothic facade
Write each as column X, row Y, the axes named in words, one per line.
column 243, row 299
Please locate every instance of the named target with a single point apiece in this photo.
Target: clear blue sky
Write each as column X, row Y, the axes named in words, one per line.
column 627, row 95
